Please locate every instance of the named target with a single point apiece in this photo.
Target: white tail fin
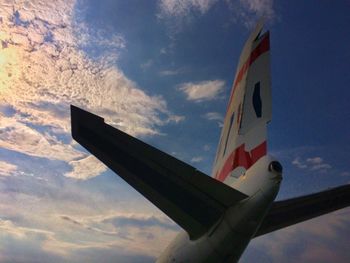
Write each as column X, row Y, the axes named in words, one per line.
column 243, row 136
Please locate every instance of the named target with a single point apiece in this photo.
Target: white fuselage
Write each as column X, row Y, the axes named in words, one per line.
column 229, row 237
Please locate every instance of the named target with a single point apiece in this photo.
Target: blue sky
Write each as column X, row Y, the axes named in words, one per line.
column 162, row 71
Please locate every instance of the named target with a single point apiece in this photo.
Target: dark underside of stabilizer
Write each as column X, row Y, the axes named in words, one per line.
column 192, row 199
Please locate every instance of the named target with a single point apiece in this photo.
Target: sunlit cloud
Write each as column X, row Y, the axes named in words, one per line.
column 202, row 91
column 7, row 169
column 43, row 70
column 86, row 168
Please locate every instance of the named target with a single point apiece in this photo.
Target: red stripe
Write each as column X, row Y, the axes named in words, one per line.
column 240, row 158
column 263, row 47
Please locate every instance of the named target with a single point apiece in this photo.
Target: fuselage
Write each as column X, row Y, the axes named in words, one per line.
column 228, row 238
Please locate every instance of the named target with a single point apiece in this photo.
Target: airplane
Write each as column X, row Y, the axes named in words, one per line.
column 221, row 213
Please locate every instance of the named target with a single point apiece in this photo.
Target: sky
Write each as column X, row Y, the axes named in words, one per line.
column 162, row 71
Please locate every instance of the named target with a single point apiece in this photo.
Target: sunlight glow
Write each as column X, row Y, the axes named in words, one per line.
column 9, row 67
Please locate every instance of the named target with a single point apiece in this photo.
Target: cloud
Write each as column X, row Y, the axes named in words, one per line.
column 317, row 163
column 19, row 137
column 44, row 70
column 321, row 167
column 315, row 160
column 202, row 91
column 86, row 168
column 297, row 162
column 196, row 159
column 7, row 169
column 175, row 14
column 171, row 72
column 121, row 221
column 322, row 239
column 181, row 8
column 146, row 64
column 312, row 164
column 26, row 244
column 7, row 226
column 248, row 12
column 131, row 231
column 206, row 147
column 214, row 116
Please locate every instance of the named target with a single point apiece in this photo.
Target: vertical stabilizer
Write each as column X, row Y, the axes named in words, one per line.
column 243, row 136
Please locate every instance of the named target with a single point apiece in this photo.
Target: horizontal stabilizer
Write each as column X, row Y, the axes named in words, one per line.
column 292, row 211
column 192, row 199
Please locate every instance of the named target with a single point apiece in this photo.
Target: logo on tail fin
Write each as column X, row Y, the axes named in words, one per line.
column 241, row 158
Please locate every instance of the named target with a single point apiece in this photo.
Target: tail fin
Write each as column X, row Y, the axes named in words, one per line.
column 243, row 136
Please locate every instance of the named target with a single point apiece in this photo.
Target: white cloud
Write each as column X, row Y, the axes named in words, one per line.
column 180, row 8
column 213, row 116
column 171, row 72
column 204, row 90
column 312, row 164
column 321, row 167
column 317, row 164
column 86, row 168
column 297, row 162
column 19, row 137
column 196, row 159
column 175, row 14
column 7, row 169
column 7, row 226
column 248, row 12
column 43, row 70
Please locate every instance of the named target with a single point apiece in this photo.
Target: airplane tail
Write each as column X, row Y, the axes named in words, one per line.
column 243, row 136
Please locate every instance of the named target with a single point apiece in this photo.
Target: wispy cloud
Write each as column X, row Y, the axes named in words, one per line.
column 313, row 239
column 138, row 221
column 44, row 70
column 196, row 159
column 181, row 8
column 177, row 13
column 206, row 147
column 204, row 90
column 86, row 168
column 7, row 169
column 171, row 72
column 317, row 163
column 297, row 162
column 147, row 64
column 214, row 116
column 247, row 12
column 312, row 164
